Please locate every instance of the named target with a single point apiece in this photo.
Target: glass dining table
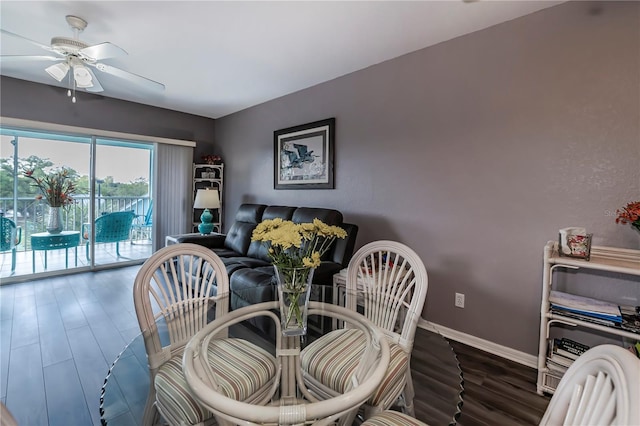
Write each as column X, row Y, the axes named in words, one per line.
column 436, row 373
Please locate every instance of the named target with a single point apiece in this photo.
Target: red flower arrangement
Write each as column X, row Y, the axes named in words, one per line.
column 630, row 214
column 211, row 159
column 57, row 187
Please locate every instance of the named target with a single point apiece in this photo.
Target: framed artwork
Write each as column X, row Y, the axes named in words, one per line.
column 303, row 156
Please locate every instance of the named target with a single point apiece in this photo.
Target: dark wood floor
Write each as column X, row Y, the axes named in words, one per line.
column 59, row 336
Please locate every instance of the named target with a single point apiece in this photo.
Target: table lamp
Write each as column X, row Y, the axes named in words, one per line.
column 206, row 199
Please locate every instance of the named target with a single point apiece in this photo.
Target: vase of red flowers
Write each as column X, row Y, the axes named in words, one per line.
column 57, row 189
column 630, row 214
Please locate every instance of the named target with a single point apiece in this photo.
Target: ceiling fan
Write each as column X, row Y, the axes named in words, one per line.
column 76, row 59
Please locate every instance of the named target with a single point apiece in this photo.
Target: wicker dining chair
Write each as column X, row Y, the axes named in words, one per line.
column 10, row 237
column 602, row 387
column 387, row 282
column 392, row 418
column 110, row 228
column 181, row 288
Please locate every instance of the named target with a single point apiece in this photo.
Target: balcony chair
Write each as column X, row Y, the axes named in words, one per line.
column 602, row 387
column 10, row 237
column 387, row 282
column 142, row 226
column 171, row 294
column 110, row 228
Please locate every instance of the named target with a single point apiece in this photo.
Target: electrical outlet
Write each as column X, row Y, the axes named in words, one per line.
column 459, row 300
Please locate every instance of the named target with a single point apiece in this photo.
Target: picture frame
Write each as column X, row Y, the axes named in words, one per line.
column 303, row 156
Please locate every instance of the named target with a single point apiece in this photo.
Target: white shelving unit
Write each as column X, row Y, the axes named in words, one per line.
column 611, row 259
column 208, row 176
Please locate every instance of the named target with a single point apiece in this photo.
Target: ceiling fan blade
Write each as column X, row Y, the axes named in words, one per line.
column 96, row 84
column 134, row 78
column 25, row 58
column 42, row 46
column 102, row 51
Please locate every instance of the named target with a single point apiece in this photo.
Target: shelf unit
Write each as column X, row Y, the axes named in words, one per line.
column 610, row 259
column 208, row 176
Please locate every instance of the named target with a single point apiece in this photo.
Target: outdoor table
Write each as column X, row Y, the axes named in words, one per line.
column 46, row 241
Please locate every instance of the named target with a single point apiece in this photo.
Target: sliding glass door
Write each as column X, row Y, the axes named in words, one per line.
column 100, row 189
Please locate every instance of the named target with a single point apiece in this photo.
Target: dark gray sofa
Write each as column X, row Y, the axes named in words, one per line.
column 251, row 274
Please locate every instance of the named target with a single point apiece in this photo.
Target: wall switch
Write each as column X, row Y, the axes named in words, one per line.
column 459, row 300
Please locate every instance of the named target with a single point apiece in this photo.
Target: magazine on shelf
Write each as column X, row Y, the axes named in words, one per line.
column 584, row 305
column 604, row 317
column 558, row 355
column 557, row 367
column 569, row 348
column 582, row 317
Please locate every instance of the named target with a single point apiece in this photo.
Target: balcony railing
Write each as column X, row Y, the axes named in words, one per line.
column 31, row 215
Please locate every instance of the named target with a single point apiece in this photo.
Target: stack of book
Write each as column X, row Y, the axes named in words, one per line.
column 630, row 318
column 562, row 353
column 585, row 308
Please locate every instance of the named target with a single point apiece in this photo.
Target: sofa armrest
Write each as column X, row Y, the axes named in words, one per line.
column 213, row 240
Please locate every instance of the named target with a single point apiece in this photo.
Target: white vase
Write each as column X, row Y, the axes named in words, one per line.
column 54, row 222
column 294, row 289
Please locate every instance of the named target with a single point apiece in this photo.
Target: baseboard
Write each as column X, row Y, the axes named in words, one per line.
column 478, row 343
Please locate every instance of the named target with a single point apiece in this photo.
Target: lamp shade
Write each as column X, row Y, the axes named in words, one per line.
column 58, row 71
column 207, row 199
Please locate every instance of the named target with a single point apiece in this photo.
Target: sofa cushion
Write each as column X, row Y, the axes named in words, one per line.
column 251, row 286
column 239, row 235
column 240, row 262
column 307, row 214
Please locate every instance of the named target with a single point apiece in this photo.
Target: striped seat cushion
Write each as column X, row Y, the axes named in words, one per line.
column 392, row 418
column 333, row 358
column 241, row 368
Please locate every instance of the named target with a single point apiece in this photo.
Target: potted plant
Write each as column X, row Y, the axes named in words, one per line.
column 56, row 188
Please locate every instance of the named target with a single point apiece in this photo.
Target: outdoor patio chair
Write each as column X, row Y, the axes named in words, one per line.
column 142, row 226
column 602, row 387
column 179, row 289
column 387, row 282
column 110, row 228
column 10, row 237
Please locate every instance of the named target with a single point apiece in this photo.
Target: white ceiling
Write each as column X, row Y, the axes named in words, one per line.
column 219, row 57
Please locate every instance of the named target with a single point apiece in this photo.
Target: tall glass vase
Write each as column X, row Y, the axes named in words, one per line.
column 54, row 222
column 294, row 288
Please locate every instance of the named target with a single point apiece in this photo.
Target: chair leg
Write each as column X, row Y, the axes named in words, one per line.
column 151, row 415
column 117, row 249
column 407, row 395
column 13, row 259
column 87, row 246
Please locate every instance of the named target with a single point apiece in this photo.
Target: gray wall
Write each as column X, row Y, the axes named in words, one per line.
column 474, row 152
column 38, row 102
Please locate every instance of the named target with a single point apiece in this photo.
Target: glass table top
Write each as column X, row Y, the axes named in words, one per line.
column 436, row 374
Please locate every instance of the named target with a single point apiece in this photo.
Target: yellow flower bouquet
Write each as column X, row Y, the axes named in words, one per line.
column 295, row 250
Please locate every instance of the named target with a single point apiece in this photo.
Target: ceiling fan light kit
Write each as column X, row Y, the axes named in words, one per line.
column 79, row 56
column 58, row 71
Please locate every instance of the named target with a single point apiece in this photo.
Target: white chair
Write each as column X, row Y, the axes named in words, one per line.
column 6, row 418
column 602, row 387
column 387, row 282
column 176, row 290
column 392, row 418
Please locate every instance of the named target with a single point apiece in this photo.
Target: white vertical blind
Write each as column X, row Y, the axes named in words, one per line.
column 172, row 192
